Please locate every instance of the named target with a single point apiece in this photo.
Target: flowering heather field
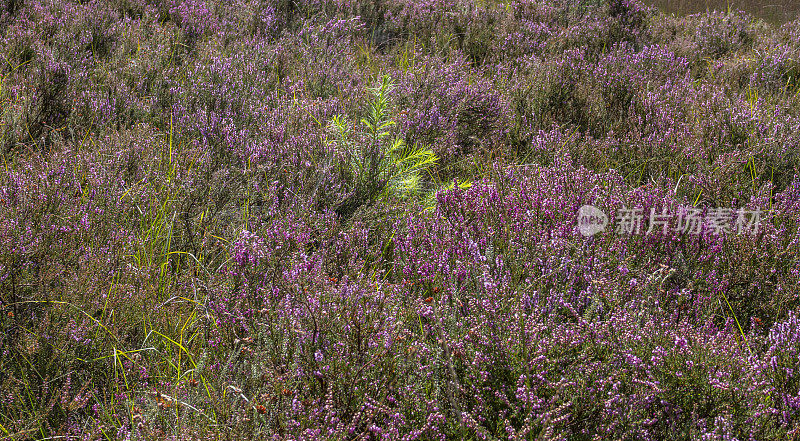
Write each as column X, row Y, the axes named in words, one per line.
column 358, row 219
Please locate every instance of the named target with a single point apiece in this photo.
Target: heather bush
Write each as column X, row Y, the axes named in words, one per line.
column 777, row 70
column 447, row 106
column 704, row 38
column 543, row 93
column 719, row 34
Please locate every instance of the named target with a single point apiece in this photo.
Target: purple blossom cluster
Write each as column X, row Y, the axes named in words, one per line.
column 198, row 241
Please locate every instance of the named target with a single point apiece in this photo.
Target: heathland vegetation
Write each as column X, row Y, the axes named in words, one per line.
column 358, row 219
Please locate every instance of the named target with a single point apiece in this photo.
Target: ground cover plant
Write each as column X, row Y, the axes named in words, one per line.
column 358, row 219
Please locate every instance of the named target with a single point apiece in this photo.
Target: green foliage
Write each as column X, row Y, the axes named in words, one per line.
column 375, row 162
